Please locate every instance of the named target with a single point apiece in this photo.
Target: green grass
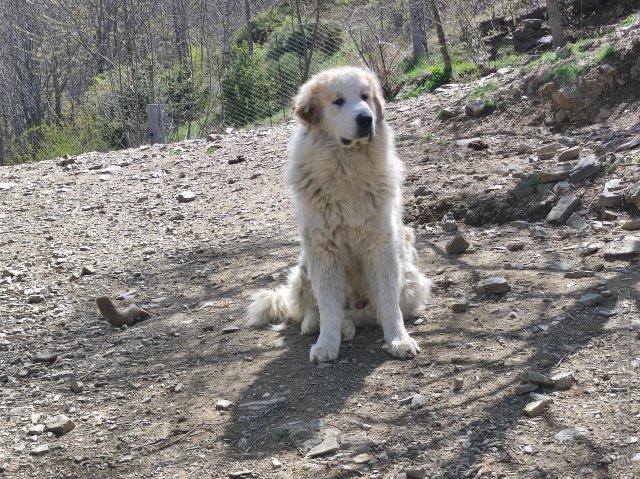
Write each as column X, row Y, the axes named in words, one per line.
column 566, row 72
column 427, row 137
column 628, row 21
column 605, row 52
column 508, row 60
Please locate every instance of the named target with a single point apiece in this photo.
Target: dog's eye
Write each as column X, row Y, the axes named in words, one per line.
column 339, row 102
column 364, row 96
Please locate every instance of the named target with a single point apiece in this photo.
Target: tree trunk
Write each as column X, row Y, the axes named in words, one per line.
column 418, row 39
column 555, row 22
column 154, row 122
column 442, row 39
column 247, row 15
column 179, row 13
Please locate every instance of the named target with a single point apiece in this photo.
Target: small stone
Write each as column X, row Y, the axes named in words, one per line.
column 243, row 474
column 535, row 408
column 569, row 154
column 630, row 225
column 328, row 446
column 36, row 430
column 563, row 381
column 417, row 401
column 223, row 405
column 60, row 425
column 590, row 299
column 561, row 212
column 515, row 246
column 186, row 196
column 460, row 306
column 623, row 249
column 547, row 152
column 230, row 329
column 457, row 384
column 526, row 388
column 76, row 386
column 421, row 191
column 493, row 285
column 39, row 450
column 362, row 458
column 275, row 463
column 415, row 473
column 35, row 299
column 87, row 270
column 476, row 108
column 450, row 226
column 585, row 168
column 236, row 160
column 458, row 244
column 537, row 378
column 527, row 450
column 571, row 433
column 45, row 358
column 577, row 222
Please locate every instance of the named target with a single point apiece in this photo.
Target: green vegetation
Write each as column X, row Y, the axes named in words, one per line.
column 427, row 137
column 605, row 52
column 628, row 21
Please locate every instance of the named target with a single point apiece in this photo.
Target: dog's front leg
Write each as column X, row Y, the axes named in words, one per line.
column 328, row 283
column 382, row 270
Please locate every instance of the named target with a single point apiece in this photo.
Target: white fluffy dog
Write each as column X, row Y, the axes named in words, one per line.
column 358, row 260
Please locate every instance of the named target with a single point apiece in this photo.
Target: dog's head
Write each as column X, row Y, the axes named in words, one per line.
column 346, row 103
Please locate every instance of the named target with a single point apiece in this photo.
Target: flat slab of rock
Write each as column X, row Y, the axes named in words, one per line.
column 186, row 196
column 563, row 381
column 569, row 154
column 493, row 285
column 577, row 222
column 328, row 446
column 460, row 306
column 6, row 185
column 223, row 405
column 571, row 433
column 535, row 408
column 561, row 212
column 547, row 152
column 610, row 198
column 630, row 225
column 590, row 299
column 626, row 248
column 456, row 245
column 554, row 175
column 585, row 168
column 632, row 195
column 536, row 378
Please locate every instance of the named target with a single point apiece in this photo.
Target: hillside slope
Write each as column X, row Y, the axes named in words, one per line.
column 120, row 224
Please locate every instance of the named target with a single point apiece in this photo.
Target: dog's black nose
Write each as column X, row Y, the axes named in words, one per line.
column 364, row 121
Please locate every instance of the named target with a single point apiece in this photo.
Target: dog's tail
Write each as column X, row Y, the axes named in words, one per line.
column 285, row 304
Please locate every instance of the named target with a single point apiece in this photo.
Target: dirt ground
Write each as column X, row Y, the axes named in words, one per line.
column 111, row 224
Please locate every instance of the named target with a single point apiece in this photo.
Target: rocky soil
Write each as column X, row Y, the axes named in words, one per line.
column 530, row 352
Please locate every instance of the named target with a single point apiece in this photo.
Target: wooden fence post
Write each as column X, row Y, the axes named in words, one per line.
column 154, row 122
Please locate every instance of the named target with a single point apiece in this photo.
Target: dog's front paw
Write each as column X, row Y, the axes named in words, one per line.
column 406, row 347
column 324, row 351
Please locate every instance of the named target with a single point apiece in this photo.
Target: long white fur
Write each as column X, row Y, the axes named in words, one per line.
column 347, row 197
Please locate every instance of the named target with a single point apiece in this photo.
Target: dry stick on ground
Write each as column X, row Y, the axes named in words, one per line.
column 120, row 317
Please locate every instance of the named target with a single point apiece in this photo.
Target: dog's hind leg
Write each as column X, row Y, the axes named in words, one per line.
column 311, row 321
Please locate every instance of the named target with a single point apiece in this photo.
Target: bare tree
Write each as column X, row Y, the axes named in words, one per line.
column 555, row 22
column 247, row 16
column 442, row 39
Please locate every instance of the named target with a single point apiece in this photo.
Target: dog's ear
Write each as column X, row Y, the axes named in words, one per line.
column 306, row 106
column 378, row 97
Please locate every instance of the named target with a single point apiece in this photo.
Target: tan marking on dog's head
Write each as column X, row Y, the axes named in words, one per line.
column 333, row 100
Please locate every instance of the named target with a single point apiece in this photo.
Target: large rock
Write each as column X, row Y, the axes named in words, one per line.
column 60, row 425
column 493, row 285
column 476, row 108
column 555, row 174
column 547, row 152
column 458, row 244
column 561, row 212
column 610, row 197
column 626, row 248
column 632, row 195
column 585, row 168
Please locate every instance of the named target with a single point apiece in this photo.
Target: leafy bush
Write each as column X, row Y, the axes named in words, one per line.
column 248, row 92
